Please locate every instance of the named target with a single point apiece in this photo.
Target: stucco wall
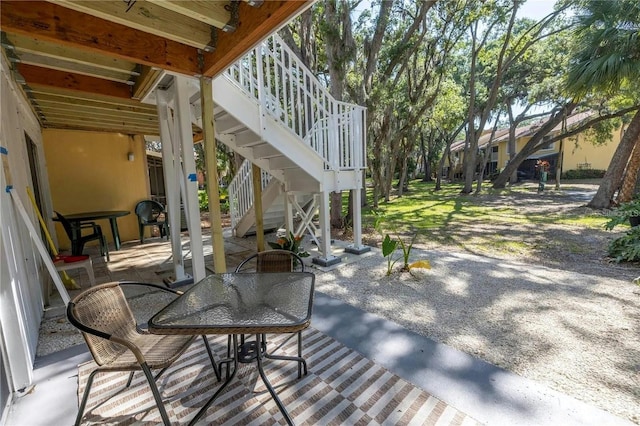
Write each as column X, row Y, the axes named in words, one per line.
column 90, row 171
column 584, row 151
column 597, row 156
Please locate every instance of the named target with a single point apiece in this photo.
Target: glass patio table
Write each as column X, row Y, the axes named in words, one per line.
column 238, row 304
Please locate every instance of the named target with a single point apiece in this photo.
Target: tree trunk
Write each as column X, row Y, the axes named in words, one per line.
column 511, row 143
column 336, row 209
column 339, row 49
column 445, row 155
column 470, row 164
column 425, row 160
column 559, row 164
column 348, row 219
column 630, row 175
column 403, row 176
column 613, row 177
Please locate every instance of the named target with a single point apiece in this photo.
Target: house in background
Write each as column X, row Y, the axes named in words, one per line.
column 83, row 83
column 578, row 152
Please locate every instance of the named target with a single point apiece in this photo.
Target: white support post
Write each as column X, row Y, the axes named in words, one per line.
column 357, row 217
column 357, row 247
column 288, row 211
column 327, row 259
column 170, row 160
column 182, row 111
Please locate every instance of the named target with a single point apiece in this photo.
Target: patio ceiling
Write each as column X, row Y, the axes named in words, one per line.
column 87, row 65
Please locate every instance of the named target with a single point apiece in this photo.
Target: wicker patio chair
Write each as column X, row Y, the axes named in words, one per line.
column 272, row 261
column 109, row 328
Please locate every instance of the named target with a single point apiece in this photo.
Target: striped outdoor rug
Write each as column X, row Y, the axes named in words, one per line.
column 342, row 388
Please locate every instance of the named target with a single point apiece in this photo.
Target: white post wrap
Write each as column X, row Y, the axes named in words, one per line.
column 182, row 111
column 169, row 165
column 327, row 258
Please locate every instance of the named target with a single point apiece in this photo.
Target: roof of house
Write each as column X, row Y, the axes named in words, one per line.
column 526, row 130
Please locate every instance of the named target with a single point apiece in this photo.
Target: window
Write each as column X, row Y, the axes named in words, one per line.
column 494, row 154
column 547, row 145
column 156, row 179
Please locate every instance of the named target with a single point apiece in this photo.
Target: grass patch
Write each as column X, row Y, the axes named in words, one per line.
column 422, row 208
column 516, row 221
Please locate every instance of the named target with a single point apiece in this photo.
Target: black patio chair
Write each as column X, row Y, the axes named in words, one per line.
column 151, row 213
column 78, row 240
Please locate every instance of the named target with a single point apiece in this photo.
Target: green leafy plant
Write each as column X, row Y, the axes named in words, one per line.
column 406, row 251
column 621, row 214
column 627, row 247
column 203, row 200
column 290, row 243
column 389, row 246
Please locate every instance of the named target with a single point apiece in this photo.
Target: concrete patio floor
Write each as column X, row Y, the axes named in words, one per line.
column 487, row 393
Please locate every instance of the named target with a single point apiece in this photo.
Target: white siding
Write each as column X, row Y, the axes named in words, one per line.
column 21, row 301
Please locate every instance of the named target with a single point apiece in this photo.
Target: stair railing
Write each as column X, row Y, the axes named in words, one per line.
column 287, row 91
column 241, row 191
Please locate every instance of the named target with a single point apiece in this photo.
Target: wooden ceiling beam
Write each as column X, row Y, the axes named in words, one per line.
column 71, row 81
column 47, row 105
column 62, row 102
column 68, row 66
column 38, row 89
column 147, row 17
column 55, row 114
column 92, row 127
column 146, row 81
column 21, row 43
column 54, row 23
column 214, row 13
column 255, row 24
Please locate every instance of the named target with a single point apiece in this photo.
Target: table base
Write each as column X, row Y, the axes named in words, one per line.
column 246, row 353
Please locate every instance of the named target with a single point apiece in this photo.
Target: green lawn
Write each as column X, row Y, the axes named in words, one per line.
column 445, row 216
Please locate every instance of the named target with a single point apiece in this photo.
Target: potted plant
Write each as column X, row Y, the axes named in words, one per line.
column 627, row 247
column 625, row 212
column 291, row 243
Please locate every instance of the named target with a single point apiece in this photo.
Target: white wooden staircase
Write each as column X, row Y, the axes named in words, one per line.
column 272, row 111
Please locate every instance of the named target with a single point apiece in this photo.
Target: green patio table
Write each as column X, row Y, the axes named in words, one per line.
column 77, row 218
column 238, row 304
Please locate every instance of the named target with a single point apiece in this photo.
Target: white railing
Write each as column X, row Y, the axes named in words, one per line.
column 241, row 191
column 287, row 91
